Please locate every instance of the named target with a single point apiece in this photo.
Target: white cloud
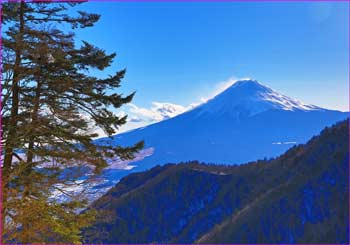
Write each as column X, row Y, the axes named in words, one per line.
column 158, row 112
column 135, row 119
column 168, row 110
column 163, row 110
column 141, row 116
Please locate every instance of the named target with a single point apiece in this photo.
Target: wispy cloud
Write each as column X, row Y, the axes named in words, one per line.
column 139, row 116
column 163, row 110
column 135, row 119
column 158, row 112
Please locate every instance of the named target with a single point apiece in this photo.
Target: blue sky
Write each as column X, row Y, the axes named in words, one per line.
column 183, row 53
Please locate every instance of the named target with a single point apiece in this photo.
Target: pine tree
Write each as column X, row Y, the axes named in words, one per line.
column 50, row 101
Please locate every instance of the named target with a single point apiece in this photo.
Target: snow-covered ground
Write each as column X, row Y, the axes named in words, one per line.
column 89, row 186
column 117, row 163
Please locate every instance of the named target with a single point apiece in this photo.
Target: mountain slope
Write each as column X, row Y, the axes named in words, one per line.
column 299, row 197
column 310, row 207
column 248, row 121
column 249, row 97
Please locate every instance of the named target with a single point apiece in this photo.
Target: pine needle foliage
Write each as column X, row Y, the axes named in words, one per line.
column 50, row 103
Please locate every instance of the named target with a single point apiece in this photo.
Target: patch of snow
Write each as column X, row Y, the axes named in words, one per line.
column 117, row 163
column 284, row 143
column 249, row 97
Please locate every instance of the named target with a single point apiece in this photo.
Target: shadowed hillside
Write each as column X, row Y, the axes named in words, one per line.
column 299, row 197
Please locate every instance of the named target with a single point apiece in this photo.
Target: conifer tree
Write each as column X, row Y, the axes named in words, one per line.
column 50, row 101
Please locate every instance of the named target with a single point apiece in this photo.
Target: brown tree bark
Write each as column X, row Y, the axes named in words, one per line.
column 11, row 137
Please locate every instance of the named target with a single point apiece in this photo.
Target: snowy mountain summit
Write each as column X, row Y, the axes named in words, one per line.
column 246, row 122
column 249, row 97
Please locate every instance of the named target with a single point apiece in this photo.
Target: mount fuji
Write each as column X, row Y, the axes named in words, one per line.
column 246, row 122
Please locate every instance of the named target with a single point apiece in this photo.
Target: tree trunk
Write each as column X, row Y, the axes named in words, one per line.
column 27, row 183
column 36, row 106
column 11, row 137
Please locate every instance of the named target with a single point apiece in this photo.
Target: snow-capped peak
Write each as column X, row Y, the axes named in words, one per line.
column 249, row 97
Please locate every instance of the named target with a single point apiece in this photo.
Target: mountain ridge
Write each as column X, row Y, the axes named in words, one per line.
column 181, row 203
column 248, row 93
column 235, row 136
column 245, row 113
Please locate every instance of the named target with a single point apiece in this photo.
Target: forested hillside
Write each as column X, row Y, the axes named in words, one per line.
column 299, row 197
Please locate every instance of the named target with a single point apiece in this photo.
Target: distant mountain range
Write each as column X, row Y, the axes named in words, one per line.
column 300, row 197
column 246, row 122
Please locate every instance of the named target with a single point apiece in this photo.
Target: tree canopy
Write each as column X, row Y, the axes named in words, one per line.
column 50, row 102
